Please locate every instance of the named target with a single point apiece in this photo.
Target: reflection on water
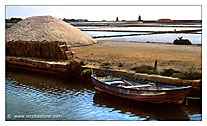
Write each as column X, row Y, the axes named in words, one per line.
column 147, row 111
column 46, row 95
column 36, row 94
column 100, row 33
column 139, row 28
column 194, row 38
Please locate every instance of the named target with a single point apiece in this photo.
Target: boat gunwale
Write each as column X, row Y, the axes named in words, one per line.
column 175, row 96
column 165, row 90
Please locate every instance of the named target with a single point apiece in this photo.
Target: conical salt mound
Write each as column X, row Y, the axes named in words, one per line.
column 48, row 28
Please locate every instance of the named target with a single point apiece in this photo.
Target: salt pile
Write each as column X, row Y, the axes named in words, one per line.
column 48, row 28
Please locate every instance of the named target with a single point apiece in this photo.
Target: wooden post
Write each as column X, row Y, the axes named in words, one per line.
column 155, row 66
column 92, row 66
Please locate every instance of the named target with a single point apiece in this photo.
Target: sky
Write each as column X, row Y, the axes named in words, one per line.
column 99, row 13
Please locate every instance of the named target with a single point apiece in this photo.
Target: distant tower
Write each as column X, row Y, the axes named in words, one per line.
column 117, row 18
column 139, row 18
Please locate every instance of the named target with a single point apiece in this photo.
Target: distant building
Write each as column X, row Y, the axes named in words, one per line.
column 74, row 20
column 164, row 20
column 117, row 18
column 139, row 18
column 187, row 21
column 174, row 21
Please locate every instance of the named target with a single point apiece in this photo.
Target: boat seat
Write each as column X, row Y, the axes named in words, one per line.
column 114, row 82
column 138, row 86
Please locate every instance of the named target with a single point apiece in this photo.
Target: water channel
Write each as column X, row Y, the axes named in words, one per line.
column 30, row 95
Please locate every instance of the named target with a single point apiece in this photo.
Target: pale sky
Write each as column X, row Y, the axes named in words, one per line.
column 107, row 12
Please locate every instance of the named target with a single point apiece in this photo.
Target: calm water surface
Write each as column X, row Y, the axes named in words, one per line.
column 143, row 36
column 136, row 23
column 100, row 33
column 31, row 95
column 139, row 28
column 194, row 38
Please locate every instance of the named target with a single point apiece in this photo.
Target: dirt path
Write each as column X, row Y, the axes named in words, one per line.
column 130, row 54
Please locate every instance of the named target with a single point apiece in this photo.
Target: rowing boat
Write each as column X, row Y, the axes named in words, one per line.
column 138, row 90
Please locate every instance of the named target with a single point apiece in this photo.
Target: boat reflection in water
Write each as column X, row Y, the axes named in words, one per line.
column 37, row 94
column 148, row 111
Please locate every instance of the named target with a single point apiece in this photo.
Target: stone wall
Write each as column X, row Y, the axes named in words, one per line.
column 163, row 80
column 47, row 50
column 32, row 63
column 71, row 68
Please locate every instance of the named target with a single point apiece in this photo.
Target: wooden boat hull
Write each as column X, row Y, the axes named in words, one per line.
column 175, row 96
